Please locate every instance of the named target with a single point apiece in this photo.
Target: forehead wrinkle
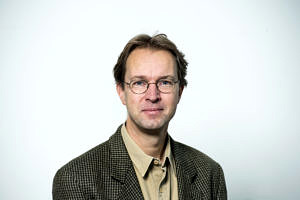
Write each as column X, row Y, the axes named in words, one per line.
column 158, row 78
column 141, row 64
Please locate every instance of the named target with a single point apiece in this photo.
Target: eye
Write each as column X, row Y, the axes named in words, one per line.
column 139, row 83
column 165, row 83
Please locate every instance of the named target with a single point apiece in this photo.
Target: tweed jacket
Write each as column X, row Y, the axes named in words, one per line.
column 107, row 172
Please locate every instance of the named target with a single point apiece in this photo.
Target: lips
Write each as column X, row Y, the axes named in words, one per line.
column 152, row 111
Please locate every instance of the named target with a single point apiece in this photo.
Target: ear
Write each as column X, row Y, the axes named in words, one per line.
column 180, row 92
column 121, row 93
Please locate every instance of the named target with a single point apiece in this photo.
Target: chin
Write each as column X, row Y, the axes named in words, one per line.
column 150, row 124
column 155, row 125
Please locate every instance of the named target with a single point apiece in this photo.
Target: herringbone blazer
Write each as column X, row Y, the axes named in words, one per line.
column 106, row 172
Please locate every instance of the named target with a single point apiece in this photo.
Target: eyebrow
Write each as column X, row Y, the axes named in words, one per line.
column 160, row 77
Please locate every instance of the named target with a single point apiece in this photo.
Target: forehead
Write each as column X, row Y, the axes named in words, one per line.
column 150, row 63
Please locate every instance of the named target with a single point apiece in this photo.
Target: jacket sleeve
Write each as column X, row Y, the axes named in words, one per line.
column 65, row 187
column 220, row 191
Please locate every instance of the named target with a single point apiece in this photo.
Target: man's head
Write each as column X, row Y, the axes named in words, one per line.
column 156, row 42
column 150, row 76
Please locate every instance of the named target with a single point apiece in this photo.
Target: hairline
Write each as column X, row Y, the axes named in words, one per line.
column 151, row 48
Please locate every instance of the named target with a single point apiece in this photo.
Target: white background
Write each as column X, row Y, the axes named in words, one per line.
column 241, row 106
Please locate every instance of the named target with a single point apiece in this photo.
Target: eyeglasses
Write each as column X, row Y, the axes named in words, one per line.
column 141, row 86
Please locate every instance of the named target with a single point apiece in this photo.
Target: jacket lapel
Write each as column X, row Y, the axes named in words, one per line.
column 122, row 170
column 192, row 180
column 192, row 183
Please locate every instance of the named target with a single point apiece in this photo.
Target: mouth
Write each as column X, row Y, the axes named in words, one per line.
column 152, row 111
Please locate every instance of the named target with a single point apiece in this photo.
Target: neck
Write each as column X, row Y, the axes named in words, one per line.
column 152, row 142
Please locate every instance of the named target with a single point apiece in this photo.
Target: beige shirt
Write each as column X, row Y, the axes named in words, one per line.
column 157, row 179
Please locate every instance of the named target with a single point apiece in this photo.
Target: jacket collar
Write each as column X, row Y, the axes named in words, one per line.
column 191, row 178
column 121, row 168
column 119, row 158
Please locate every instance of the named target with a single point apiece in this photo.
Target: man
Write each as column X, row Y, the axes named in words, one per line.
column 141, row 160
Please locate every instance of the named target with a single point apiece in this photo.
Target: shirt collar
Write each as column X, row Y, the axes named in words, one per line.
column 141, row 160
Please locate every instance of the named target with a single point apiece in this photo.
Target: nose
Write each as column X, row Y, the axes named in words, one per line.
column 152, row 94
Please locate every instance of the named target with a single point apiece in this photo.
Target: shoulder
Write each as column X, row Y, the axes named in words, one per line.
column 90, row 158
column 88, row 172
column 80, row 175
column 188, row 154
column 86, row 164
column 203, row 170
column 93, row 160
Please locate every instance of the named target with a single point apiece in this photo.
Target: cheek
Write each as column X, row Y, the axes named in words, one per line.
column 131, row 101
column 171, row 101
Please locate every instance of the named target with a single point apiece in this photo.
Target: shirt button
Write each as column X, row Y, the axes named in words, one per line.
column 156, row 162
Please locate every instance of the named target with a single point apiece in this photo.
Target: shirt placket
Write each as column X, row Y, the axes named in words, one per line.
column 160, row 179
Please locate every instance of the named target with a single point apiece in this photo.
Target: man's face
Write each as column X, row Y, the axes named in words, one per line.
column 152, row 109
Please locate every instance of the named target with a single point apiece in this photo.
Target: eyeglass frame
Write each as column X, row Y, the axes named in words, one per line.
column 148, row 84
